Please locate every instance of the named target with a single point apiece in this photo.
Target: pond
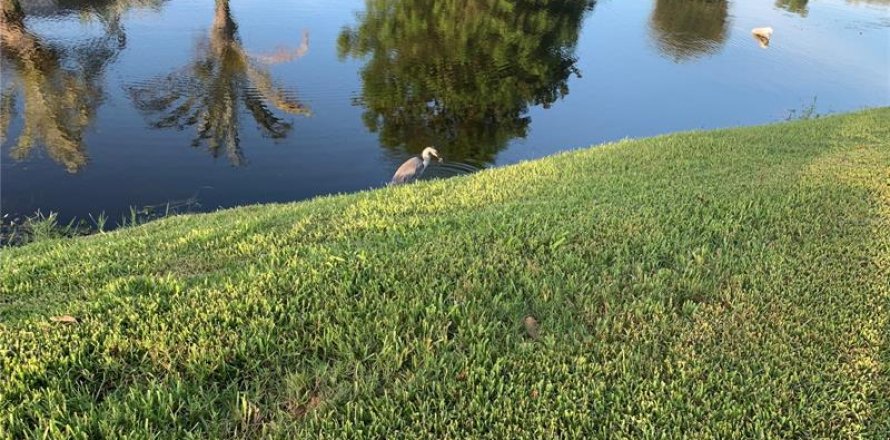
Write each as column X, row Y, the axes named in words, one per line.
column 202, row 104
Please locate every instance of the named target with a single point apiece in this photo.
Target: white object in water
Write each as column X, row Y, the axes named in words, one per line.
column 763, row 35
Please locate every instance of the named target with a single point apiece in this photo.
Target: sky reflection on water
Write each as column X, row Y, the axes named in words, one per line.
column 117, row 103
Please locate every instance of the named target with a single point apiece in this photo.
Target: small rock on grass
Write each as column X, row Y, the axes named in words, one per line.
column 531, row 326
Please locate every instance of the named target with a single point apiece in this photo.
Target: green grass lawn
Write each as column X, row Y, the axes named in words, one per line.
column 722, row 284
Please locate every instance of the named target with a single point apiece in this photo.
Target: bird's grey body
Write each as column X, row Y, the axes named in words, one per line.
column 414, row 167
column 410, row 170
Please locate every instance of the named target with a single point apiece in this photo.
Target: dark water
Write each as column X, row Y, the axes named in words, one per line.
column 118, row 103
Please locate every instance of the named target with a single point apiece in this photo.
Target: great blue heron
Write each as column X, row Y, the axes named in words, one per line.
column 413, row 168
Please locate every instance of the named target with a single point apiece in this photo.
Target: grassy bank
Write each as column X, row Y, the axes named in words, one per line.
column 715, row 284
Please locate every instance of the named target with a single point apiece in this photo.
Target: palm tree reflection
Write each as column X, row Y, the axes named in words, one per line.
column 207, row 93
column 58, row 86
column 687, row 29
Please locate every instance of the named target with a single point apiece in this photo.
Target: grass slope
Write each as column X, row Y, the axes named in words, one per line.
column 725, row 284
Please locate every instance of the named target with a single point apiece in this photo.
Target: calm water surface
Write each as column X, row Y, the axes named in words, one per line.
column 118, row 103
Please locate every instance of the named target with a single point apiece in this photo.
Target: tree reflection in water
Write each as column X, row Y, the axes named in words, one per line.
column 58, row 86
column 461, row 75
column 797, row 6
column 207, row 94
column 688, row 29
